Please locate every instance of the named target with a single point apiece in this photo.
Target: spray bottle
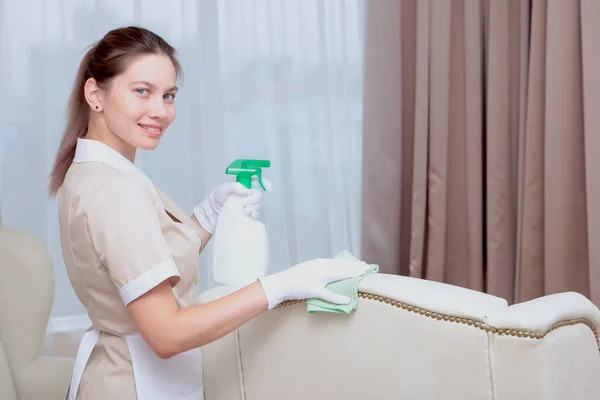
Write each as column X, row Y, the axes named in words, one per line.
column 240, row 244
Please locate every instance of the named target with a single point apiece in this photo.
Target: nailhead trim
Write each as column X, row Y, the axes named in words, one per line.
column 466, row 321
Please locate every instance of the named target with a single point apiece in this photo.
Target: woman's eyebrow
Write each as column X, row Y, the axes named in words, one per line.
column 152, row 86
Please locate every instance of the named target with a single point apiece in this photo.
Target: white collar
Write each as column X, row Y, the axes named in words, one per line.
column 88, row 150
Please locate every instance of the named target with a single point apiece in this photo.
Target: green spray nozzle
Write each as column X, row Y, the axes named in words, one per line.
column 245, row 169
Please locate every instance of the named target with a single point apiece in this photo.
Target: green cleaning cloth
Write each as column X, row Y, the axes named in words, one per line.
column 346, row 287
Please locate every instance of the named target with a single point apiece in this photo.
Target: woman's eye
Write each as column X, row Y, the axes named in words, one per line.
column 141, row 92
column 169, row 96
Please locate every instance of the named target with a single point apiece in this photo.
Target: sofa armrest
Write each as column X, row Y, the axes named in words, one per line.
column 45, row 378
column 546, row 349
column 543, row 314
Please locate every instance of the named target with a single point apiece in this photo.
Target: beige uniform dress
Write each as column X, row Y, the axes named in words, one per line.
column 121, row 237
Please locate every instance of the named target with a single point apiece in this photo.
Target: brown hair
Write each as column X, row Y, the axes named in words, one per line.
column 103, row 61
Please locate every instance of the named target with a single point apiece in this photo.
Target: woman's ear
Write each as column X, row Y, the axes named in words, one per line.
column 92, row 94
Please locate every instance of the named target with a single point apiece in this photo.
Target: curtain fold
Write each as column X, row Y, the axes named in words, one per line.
column 381, row 157
column 480, row 134
column 590, row 32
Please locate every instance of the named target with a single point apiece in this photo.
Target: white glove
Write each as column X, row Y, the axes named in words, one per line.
column 208, row 211
column 308, row 280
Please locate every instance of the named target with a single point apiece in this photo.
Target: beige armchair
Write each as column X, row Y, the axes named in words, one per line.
column 412, row 339
column 26, row 295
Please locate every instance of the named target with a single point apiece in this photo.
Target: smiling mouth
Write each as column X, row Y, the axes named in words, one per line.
column 151, row 128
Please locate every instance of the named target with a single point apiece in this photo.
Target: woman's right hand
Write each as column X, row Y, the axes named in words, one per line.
column 308, row 280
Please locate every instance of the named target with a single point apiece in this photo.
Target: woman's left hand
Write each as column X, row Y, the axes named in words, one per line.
column 208, row 211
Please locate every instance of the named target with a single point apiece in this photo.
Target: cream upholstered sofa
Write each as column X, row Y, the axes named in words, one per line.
column 26, row 294
column 409, row 339
column 412, row 339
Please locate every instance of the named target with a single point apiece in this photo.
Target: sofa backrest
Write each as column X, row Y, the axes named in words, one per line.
column 26, row 294
column 408, row 339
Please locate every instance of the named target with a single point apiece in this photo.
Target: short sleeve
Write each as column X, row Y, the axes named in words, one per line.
column 126, row 233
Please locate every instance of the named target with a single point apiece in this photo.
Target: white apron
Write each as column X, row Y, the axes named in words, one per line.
column 177, row 378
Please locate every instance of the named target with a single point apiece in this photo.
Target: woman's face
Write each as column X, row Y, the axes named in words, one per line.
column 138, row 106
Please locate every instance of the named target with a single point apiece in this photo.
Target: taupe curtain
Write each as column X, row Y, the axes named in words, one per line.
column 481, row 144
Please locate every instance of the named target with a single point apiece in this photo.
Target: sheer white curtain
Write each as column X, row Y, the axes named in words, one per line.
column 278, row 79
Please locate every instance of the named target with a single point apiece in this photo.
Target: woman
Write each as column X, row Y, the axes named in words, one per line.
column 130, row 252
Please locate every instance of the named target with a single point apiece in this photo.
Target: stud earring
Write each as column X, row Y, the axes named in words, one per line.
column 96, row 107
